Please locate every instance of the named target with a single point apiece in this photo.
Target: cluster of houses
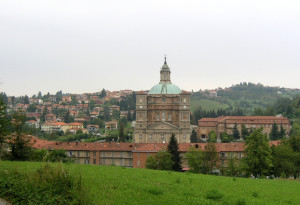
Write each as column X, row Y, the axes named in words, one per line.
column 79, row 111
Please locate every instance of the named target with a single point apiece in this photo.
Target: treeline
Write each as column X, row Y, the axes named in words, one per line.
column 199, row 113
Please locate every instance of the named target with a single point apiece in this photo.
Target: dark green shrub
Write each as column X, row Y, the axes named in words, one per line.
column 47, row 185
column 214, row 194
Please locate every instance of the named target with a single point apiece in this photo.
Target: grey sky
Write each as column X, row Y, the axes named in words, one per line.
column 84, row 46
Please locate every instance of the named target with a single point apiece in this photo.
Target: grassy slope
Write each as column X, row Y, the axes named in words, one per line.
column 206, row 104
column 117, row 185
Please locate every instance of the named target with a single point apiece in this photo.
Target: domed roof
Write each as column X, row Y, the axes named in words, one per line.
column 165, row 88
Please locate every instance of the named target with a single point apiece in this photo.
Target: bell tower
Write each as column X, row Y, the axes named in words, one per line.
column 165, row 73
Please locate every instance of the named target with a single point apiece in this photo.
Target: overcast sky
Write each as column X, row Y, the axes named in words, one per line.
column 84, row 46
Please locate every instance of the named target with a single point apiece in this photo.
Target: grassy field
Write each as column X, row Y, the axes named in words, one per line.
column 118, row 185
column 206, row 104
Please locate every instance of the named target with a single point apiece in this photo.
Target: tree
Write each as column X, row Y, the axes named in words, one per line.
column 73, row 100
column 282, row 133
column 68, row 118
column 19, row 143
column 212, row 137
column 4, row 123
column 103, row 93
column 195, row 159
column 232, row 165
column 121, row 133
column 31, row 108
column 40, row 95
column 274, row 134
column 26, row 100
column 283, row 160
column 225, row 138
column 129, row 116
column 173, row 150
column 161, row 161
column 244, row 132
column 258, row 159
column 194, row 137
column 236, row 132
column 210, row 157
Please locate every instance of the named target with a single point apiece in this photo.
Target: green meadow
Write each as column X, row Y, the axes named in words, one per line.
column 118, row 185
column 206, row 104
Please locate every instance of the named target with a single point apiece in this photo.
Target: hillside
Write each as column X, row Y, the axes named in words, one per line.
column 246, row 96
column 117, row 185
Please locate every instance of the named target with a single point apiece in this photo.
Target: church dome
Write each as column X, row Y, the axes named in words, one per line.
column 165, row 88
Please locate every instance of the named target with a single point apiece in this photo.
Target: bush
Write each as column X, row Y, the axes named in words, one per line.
column 214, row 194
column 47, row 185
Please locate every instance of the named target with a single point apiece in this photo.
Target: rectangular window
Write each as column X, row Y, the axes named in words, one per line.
column 138, row 163
column 94, row 153
column 184, row 136
column 157, row 116
column 94, row 161
column 141, row 136
column 150, row 136
column 162, row 136
column 169, row 116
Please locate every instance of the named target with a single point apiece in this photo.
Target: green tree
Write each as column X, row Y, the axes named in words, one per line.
column 26, row 100
column 40, row 95
column 68, row 118
column 73, row 100
column 210, row 157
column 274, row 134
column 244, row 132
column 129, row 116
column 31, row 108
column 115, row 114
column 161, row 161
column 4, row 123
column 173, row 149
column 258, row 159
column 194, row 137
column 225, row 138
column 235, row 132
column 121, row 133
column 195, row 159
column 19, row 143
column 283, row 160
column 212, row 137
column 232, row 165
column 103, row 93
column 282, row 132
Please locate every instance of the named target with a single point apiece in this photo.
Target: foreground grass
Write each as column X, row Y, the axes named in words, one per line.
column 117, row 185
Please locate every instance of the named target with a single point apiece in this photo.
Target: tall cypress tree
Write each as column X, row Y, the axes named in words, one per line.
column 194, row 138
column 121, row 132
column 176, row 158
column 274, row 134
column 282, row 132
column 244, row 132
column 236, row 132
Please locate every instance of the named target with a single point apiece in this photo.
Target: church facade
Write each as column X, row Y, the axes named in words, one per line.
column 164, row 110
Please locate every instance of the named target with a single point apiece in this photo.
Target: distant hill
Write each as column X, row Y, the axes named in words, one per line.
column 245, row 96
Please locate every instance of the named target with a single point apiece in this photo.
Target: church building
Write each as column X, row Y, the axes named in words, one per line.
column 164, row 110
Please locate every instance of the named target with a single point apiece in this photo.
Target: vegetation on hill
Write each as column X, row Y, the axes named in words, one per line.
column 117, row 185
column 246, row 99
